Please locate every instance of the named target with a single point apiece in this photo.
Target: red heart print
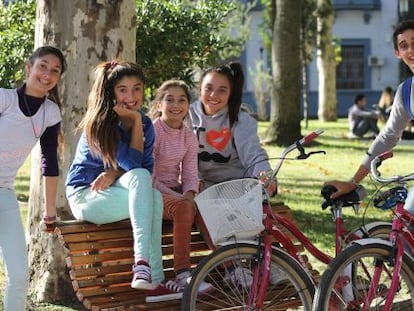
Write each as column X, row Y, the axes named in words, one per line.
column 217, row 139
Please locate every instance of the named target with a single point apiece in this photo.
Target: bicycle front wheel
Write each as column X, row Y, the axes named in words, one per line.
column 345, row 283
column 235, row 272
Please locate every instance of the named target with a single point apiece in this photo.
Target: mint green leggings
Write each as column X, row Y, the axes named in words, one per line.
column 131, row 196
column 13, row 247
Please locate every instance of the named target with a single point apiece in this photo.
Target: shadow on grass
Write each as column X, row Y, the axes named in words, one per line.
column 21, row 187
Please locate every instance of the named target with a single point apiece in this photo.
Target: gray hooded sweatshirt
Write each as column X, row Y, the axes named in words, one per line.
column 227, row 153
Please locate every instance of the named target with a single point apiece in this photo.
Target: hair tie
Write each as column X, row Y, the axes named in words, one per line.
column 113, row 64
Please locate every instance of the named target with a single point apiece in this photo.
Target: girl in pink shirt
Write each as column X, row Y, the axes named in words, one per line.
column 176, row 177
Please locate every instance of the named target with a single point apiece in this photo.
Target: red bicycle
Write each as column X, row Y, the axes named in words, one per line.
column 375, row 274
column 248, row 270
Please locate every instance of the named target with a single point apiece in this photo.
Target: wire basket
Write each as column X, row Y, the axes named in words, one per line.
column 232, row 209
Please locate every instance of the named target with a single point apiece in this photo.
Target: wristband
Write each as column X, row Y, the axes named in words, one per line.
column 49, row 218
column 354, row 182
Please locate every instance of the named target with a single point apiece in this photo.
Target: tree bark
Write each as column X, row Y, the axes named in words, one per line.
column 285, row 99
column 326, row 63
column 88, row 32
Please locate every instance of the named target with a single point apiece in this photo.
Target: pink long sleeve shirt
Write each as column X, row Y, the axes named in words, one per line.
column 175, row 159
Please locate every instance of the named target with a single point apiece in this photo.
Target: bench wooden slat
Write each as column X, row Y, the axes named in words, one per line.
column 116, row 257
column 100, row 259
column 98, row 245
column 97, row 235
column 99, row 271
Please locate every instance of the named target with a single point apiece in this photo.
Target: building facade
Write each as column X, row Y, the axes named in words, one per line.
column 364, row 30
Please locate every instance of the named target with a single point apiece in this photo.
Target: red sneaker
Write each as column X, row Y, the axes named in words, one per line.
column 164, row 292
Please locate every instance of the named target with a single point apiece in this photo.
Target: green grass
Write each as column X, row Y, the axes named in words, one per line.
column 300, row 183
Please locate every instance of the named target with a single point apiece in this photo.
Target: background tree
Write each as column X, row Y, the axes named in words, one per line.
column 285, row 100
column 308, row 33
column 88, row 32
column 307, row 41
column 16, row 40
column 326, row 63
column 174, row 38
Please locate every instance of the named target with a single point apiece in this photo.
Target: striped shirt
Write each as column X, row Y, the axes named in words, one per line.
column 175, row 159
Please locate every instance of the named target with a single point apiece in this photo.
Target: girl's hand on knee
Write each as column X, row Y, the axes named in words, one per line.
column 104, row 180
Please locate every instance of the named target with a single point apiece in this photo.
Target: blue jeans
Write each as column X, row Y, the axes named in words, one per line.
column 133, row 197
column 13, row 246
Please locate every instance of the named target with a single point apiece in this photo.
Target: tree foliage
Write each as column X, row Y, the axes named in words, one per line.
column 17, row 24
column 174, row 38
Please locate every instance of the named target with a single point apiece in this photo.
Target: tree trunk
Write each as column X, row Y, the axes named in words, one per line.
column 326, row 63
column 285, row 99
column 305, row 94
column 88, row 32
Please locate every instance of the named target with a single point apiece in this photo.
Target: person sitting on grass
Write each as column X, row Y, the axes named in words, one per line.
column 362, row 121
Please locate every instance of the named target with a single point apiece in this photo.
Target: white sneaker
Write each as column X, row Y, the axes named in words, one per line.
column 241, row 277
column 276, row 274
column 142, row 277
column 184, row 278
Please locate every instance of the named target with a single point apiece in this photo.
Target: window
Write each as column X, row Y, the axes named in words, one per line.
column 350, row 71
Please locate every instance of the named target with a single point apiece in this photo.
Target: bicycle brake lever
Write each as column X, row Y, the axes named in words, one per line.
column 315, row 152
column 304, row 155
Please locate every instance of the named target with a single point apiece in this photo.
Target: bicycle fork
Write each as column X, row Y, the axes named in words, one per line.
column 395, row 259
column 263, row 266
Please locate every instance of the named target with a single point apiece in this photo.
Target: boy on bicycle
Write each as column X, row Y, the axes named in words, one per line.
column 403, row 39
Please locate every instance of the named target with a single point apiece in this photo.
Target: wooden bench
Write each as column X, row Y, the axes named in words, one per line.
column 100, row 258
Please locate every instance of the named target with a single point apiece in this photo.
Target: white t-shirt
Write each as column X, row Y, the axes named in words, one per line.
column 18, row 135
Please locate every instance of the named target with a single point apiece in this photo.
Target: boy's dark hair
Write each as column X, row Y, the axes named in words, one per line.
column 358, row 97
column 401, row 27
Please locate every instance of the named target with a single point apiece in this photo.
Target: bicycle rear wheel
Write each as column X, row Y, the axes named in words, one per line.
column 345, row 283
column 289, row 287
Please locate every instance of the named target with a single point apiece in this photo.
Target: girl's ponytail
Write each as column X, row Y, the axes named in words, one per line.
column 236, row 95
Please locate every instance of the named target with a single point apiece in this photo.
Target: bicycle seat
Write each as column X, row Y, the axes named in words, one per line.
column 348, row 199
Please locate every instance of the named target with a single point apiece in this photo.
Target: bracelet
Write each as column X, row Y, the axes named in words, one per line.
column 354, row 182
column 49, row 218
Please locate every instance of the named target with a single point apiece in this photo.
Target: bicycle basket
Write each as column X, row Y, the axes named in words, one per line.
column 232, row 209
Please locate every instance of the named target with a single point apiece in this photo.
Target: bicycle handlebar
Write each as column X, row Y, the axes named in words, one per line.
column 296, row 145
column 376, row 163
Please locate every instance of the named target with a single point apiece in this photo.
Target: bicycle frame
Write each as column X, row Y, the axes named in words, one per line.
column 273, row 232
column 399, row 232
column 278, row 236
column 341, row 235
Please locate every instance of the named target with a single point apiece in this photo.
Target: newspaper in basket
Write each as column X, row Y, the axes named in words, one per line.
column 232, row 209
